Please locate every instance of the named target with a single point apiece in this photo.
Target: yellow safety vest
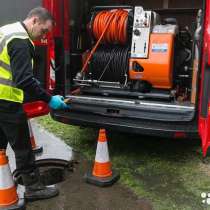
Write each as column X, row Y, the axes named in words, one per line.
column 8, row 90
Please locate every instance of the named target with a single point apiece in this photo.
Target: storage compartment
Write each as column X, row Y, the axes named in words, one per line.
column 135, row 57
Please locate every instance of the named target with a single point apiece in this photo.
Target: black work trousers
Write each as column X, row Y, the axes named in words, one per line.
column 18, row 136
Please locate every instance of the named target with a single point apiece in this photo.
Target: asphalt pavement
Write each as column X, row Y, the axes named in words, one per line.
column 75, row 193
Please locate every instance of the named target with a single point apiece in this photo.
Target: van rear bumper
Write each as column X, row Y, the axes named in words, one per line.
column 138, row 126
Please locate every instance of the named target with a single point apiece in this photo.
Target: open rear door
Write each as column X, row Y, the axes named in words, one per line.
column 60, row 38
column 204, row 99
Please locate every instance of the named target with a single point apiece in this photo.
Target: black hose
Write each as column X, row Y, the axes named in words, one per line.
column 110, row 63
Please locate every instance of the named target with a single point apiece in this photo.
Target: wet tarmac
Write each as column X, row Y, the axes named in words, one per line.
column 75, row 193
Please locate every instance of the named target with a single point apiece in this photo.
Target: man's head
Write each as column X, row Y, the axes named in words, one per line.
column 38, row 23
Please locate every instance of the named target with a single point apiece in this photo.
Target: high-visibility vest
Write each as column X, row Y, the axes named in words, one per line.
column 8, row 89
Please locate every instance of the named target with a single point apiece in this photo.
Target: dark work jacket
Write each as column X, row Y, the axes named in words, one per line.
column 21, row 53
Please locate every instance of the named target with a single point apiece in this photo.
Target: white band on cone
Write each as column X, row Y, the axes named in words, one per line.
column 6, row 180
column 102, row 153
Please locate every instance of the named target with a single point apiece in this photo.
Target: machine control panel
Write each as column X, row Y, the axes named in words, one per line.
column 141, row 33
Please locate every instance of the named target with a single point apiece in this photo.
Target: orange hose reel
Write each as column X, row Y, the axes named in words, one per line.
column 108, row 27
column 117, row 30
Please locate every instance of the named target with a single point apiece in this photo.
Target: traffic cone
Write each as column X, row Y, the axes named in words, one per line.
column 102, row 174
column 35, row 147
column 8, row 195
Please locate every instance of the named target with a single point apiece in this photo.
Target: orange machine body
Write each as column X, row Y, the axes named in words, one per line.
column 157, row 69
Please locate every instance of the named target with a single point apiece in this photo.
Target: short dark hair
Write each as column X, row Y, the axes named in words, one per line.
column 42, row 13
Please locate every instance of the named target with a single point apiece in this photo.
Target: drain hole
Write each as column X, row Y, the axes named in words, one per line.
column 48, row 175
column 52, row 171
column 52, row 175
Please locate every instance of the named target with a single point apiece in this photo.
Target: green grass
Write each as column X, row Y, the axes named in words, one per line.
column 167, row 172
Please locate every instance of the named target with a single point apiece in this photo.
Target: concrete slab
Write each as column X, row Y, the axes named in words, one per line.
column 53, row 147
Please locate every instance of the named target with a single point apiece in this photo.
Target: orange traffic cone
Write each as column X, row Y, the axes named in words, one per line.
column 35, row 147
column 102, row 174
column 8, row 195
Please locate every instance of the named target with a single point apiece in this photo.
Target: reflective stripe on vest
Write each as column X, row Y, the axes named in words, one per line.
column 8, row 90
column 9, row 93
column 6, row 82
column 5, row 66
column 4, row 73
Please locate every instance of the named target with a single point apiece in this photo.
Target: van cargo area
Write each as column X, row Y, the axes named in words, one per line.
column 133, row 65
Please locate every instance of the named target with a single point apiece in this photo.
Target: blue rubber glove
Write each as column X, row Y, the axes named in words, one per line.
column 57, row 102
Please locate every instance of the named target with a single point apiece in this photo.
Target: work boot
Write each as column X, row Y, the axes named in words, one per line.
column 35, row 190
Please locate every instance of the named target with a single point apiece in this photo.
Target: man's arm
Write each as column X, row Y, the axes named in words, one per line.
column 20, row 54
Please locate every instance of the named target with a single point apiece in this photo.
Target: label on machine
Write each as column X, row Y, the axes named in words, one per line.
column 141, row 33
column 159, row 47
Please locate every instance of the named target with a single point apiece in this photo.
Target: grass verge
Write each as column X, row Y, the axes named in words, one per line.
column 167, row 172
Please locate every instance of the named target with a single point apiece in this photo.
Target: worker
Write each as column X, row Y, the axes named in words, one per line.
column 16, row 80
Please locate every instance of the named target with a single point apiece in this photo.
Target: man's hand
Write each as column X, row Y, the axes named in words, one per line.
column 57, row 102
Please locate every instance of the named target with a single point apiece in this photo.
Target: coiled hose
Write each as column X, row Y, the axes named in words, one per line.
column 108, row 27
column 110, row 63
column 116, row 32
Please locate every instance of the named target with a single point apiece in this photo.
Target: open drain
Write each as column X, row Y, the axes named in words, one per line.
column 52, row 171
column 52, row 175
